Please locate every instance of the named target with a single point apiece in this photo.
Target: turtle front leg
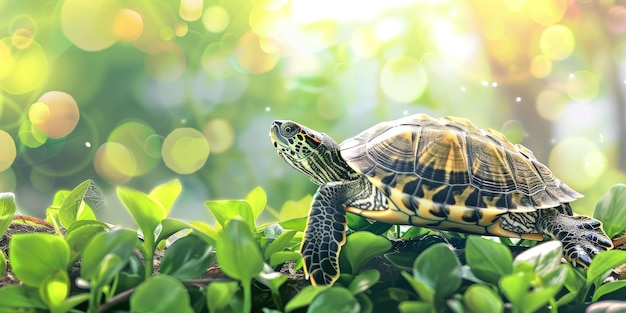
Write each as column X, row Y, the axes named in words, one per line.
column 582, row 236
column 326, row 231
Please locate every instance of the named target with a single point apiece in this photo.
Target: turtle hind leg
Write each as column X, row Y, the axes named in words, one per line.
column 582, row 237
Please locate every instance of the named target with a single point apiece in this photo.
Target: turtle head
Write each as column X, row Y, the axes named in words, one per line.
column 314, row 154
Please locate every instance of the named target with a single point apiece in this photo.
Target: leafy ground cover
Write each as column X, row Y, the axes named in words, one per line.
column 72, row 262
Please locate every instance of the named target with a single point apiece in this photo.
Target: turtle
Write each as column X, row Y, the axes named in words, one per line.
column 439, row 173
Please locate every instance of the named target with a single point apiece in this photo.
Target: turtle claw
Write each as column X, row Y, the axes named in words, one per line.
column 582, row 237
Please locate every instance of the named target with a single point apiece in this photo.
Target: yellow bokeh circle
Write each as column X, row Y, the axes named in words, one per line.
column 22, row 69
column 578, row 162
column 87, row 23
column 403, row 79
column 190, row 10
column 55, row 114
column 30, row 136
column 127, row 25
column 185, row 150
column 114, row 162
column 215, row 19
column 220, row 135
column 557, row 42
column 541, row 66
column 364, row 42
column 551, row 104
column 8, row 153
column 546, row 12
column 140, row 141
column 582, row 86
column 251, row 56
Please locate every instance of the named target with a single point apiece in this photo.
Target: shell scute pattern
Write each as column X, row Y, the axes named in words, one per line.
column 448, row 170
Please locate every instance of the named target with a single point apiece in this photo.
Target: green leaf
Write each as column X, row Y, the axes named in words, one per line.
column 304, row 297
column 77, row 203
column 120, row 242
column 257, row 200
column 359, row 223
column 415, row 232
column 610, row 210
column 55, row 288
column 169, row 227
column 360, row 247
column 7, row 211
column 281, row 257
column 34, row 257
column 166, row 194
column 604, row 262
column 71, row 302
column 422, row 288
column 488, row 260
column 364, row 281
column 294, row 210
column 273, row 280
column 480, row 298
column 403, row 260
column 226, row 210
column 439, row 268
column 80, row 233
column 219, row 294
column 160, row 294
column 108, row 268
column 146, row 212
column 187, row 258
column 280, row 243
column 528, row 291
column 543, row 258
column 335, row 299
column 608, row 288
column 298, row 223
column 20, row 296
column 238, row 253
column 416, row 307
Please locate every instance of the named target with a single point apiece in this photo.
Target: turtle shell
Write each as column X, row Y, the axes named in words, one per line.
column 447, row 169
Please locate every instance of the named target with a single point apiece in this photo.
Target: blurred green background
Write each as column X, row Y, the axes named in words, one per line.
column 138, row 92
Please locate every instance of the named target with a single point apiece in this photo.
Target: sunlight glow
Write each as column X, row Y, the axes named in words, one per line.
column 305, row 11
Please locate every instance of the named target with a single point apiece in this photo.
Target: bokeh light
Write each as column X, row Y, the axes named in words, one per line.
column 8, row 180
column 403, row 79
column 55, row 114
column 185, row 150
column 22, row 69
column 114, row 162
column 364, row 42
column 158, row 25
column 551, row 104
column 127, row 25
column 30, row 136
column 557, row 42
column 541, row 66
column 140, row 143
column 514, row 131
column 270, row 5
column 577, row 161
column 582, row 86
column 251, row 57
column 8, row 151
column 220, row 135
column 546, row 12
column 190, row 10
column 86, row 23
column 215, row 18
column 167, row 65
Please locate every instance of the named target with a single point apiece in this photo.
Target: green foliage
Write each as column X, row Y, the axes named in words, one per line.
column 170, row 292
column 430, row 279
column 35, row 257
column 7, row 210
column 610, row 210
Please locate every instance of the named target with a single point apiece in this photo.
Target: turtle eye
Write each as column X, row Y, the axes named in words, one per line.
column 289, row 129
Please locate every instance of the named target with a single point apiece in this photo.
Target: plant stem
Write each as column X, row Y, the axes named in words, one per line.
column 247, row 296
